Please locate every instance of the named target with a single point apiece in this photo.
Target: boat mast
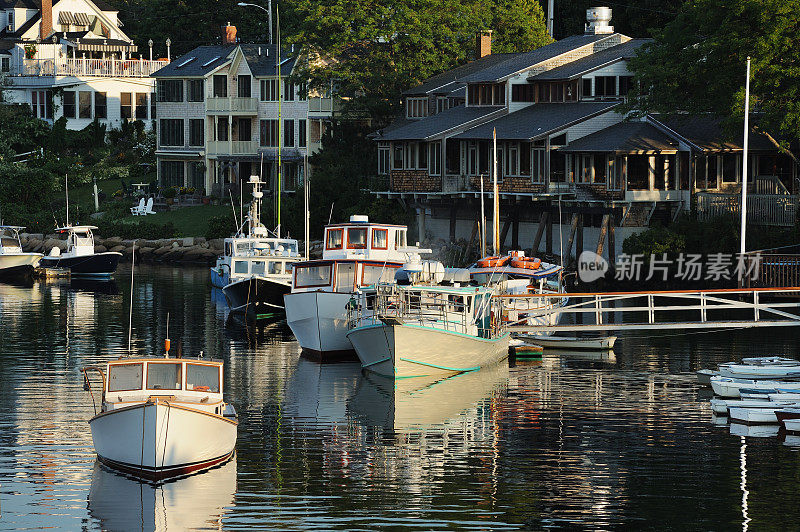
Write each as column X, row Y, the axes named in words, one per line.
column 307, row 199
column 744, row 155
column 483, row 223
column 66, row 191
column 496, row 211
column 280, row 116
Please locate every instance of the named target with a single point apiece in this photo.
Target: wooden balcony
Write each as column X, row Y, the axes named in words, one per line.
column 108, row 68
column 233, row 147
column 762, row 209
column 232, row 105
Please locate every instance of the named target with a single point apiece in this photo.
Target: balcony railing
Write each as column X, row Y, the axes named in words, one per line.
column 228, row 105
column 324, row 105
column 110, row 68
column 762, row 209
column 235, row 147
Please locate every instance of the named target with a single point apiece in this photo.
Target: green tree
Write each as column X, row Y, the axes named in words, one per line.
column 697, row 63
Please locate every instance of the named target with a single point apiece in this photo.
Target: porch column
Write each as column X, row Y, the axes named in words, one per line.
column 651, row 173
column 421, row 223
column 547, row 165
column 230, row 134
column 667, row 167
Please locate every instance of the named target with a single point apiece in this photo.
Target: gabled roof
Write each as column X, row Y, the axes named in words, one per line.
column 706, row 133
column 440, row 123
column 537, row 120
column 576, row 69
column 521, row 61
column 625, row 137
column 439, row 81
column 264, row 64
column 209, row 58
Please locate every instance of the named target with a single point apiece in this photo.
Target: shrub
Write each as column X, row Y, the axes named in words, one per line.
column 221, row 226
column 146, row 230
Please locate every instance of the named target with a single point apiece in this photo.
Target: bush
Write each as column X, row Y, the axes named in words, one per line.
column 221, row 226
column 146, row 230
column 169, row 193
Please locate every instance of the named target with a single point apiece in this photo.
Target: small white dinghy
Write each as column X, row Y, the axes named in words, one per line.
column 754, row 364
column 758, row 414
column 605, row 343
column 721, row 407
column 729, row 387
column 162, row 417
column 792, row 425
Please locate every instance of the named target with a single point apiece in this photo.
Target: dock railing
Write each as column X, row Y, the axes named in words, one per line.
column 696, row 309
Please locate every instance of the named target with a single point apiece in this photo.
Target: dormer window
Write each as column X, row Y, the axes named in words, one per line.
column 486, row 94
column 416, row 107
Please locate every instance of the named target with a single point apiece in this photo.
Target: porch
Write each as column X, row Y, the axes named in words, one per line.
column 112, row 68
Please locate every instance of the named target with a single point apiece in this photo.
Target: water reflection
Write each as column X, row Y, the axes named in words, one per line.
column 194, row 502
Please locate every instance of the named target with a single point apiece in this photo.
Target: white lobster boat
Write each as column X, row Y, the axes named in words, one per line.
column 162, row 417
column 418, row 331
column 356, row 254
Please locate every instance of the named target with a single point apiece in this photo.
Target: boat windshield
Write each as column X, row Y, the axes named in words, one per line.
column 312, row 275
column 8, row 242
column 202, row 378
column 163, row 376
column 377, row 274
column 124, row 377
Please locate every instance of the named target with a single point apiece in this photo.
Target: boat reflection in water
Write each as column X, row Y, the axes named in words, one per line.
column 424, row 403
column 197, row 501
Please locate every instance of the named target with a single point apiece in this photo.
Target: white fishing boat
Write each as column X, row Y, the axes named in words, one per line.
column 604, row 343
column 14, row 261
column 356, row 254
column 162, row 417
column 419, row 330
column 80, row 257
column 730, row 387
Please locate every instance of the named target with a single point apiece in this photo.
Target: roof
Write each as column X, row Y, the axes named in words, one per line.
column 592, row 62
column 434, row 125
column 625, row 137
column 517, row 62
column 537, row 120
column 209, row 58
column 454, row 74
column 76, row 228
column 706, row 133
column 264, row 64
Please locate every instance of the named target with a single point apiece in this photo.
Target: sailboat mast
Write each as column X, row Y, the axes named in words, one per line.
column 483, row 223
column 280, row 115
column 744, row 155
column 66, row 191
column 496, row 211
column 308, row 207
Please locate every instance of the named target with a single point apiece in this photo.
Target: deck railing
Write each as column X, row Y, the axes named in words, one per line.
column 112, row 68
column 226, row 105
column 762, row 209
column 236, row 147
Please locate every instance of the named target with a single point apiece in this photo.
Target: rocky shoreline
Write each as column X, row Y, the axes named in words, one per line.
column 196, row 250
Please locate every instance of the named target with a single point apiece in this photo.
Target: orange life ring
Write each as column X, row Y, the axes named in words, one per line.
column 528, row 263
column 493, row 262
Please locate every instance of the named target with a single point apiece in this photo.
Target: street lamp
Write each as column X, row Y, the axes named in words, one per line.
column 169, row 57
column 150, row 44
column 268, row 11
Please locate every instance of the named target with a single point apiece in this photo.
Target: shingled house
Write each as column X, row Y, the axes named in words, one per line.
column 560, row 139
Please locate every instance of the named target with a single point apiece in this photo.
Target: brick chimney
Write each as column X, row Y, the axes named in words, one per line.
column 46, row 24
column 228, row 34
column 483, row 43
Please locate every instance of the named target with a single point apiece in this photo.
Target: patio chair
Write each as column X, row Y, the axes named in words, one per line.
column 148, row 209
column 139, row 209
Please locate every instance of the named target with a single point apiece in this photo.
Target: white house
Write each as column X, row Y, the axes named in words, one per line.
column 70, row 58
column 218, row 117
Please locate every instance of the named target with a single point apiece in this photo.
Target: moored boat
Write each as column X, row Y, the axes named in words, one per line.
column 730, row 387
column 761, row 414
column 80, row 257
column 13, row 261
column 752, row 366
column 604, row 343
column 162, row 417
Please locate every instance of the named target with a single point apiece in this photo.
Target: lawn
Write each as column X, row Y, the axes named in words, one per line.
column 188, row 221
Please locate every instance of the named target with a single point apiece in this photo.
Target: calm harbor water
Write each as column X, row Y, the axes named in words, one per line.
column 622, row 440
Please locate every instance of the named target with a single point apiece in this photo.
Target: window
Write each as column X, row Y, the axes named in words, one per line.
column 422, row 155
column 397, row 160
column 357, row 238
column 244, row 87
column 605, row 86
column 69, row 104
column 538, row 165
column 334, row 239
column 197, row 175
column 383, row 158
column 486, row 94
column 163, row 376
column 288, row 133
column 377, row 274
column 442, row 104
column 220, row 86
column 731, row 167
column 625, row 84
column 269, row 90
column 169, row 90
column 245, row 129
column 400, row 239
column 100, row 105
column 202, row 378
column 269, row 133
column 196, row 132
column 172, row 132
column 6, row 64
column 240, row 266
column 587, row 87
column 124, row 377
column 222, row 128
column 416, row 107
column 196, row 90
column 257, row 267
column 141, row 106
column 312, row 275
column 84, row 104
column 302, row 133
column 524, row 158
column 436, row 158
column 523, row 92
column 380, row 239
column 172, row 173
column 126, row 105
column 302, row 92
column 288, row 91
column 152, row 106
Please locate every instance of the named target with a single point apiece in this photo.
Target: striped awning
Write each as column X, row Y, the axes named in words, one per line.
column 82, row 19
column 66, row 17
column 112, row 47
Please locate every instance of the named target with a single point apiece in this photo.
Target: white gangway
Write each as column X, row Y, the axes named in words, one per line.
column 666, row 309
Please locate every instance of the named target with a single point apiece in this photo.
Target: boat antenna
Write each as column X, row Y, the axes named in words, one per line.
column 330, row 216
column 66, row 191
column 130, row 310
column 233, row 208
column 560, row 234
column 280, row 112
column 241, row 199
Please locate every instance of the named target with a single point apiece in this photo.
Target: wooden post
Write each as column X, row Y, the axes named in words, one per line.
column 603, row 231
column 453, row 211
column 549, row 236
column 472, row 237
column 572, row 231
column 515, row 229
column 539, row 231
column 579, row 237
column 612, row 252
column 504, row 233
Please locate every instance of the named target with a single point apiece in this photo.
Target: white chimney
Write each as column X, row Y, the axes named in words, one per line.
column 597, row 21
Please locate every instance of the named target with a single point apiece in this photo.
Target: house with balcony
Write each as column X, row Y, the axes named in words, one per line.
column 219, row 122
column 561, row 143
column 71, row 58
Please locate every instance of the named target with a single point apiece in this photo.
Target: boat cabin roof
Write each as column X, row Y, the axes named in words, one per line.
column 75, row 229
column 15, row 228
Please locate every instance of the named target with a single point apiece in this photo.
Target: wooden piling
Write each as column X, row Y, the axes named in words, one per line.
column 539, row 231
column 603, row 230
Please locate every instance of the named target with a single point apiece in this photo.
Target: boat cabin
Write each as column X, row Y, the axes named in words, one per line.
column 362, row 240
column 344, row 276
column 9, row 240
column 80, row 240
column 248, row 256
column 133, row 380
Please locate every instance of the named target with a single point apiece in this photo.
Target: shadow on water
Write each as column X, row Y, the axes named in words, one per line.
column 617, row 440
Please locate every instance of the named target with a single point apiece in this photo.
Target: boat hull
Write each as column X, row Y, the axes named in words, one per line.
column 728, row 387
column 319, row 322
column 18, row 264
column 158, row 440
column 95, row 265
column 220, row 280
column 402, row 350
column 582, row 344
column 258, row 297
